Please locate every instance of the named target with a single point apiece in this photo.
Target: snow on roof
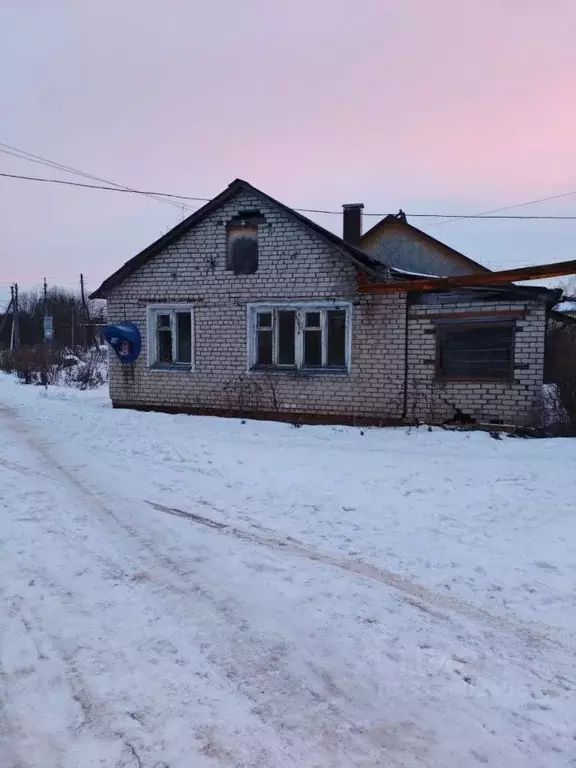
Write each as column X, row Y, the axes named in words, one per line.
column 566, row 306
column 412, row 274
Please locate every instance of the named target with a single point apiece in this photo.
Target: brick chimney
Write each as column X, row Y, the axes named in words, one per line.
column 352, row 222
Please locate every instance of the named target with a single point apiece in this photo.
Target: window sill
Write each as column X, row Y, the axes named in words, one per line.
column 301, row 372
column 472, row 380
column 172, row 368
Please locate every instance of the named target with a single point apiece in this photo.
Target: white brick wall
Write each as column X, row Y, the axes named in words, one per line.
column 518, row 402
column 295, row 265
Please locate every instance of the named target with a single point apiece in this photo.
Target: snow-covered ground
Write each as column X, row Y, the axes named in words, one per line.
column 180, row 592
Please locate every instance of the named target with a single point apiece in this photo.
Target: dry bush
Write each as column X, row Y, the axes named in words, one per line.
column 49, row 366
column 6, row 362
column 90, row 372
column 247, row 395
column 243, row 395
column 34, row 364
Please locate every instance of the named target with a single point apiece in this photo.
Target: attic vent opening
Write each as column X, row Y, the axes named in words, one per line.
column 242, row 252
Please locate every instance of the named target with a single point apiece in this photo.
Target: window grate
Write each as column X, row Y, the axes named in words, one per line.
column 481, row 351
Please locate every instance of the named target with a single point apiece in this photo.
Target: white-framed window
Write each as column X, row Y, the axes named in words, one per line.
column 171, row 336
column 312, row 337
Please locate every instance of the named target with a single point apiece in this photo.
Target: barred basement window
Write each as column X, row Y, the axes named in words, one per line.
column 302, row 337
column 170, row 336
column 475, row 351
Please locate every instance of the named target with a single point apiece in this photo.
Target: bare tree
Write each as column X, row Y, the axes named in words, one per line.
column 70, row 316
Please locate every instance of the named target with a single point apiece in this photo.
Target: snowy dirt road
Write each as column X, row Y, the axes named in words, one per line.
column 173, row 594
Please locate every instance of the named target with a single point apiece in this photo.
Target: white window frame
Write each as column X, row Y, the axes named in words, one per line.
column 152, row 312
column 300, row 307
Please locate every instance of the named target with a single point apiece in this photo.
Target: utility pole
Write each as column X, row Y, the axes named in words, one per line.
column 89, row 327
column 17, row 316
column 72, row 328
column 15, row 337
column 13, row 312
column 48, row 319
column 5, row 319
column 85, row 326
column 45, row 290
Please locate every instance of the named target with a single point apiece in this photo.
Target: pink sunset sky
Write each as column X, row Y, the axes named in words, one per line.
column 443, row 107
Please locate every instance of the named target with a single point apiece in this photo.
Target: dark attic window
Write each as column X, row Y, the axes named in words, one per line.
column 242, row 255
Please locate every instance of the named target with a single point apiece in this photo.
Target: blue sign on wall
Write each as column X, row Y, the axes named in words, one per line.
column 124, row 339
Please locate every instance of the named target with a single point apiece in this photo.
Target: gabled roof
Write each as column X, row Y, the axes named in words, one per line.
column 569, row 305
column 392, row 220
column 358, row 257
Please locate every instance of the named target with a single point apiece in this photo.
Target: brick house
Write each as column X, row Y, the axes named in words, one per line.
column 249, row 308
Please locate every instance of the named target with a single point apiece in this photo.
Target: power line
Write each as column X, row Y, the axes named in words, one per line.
column 455, row 217
column 32, row 158
column 163, row 197
column 157, row 195
column 486, row 214
column 102, row 186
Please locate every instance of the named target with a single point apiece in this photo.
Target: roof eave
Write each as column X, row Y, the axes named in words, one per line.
column 111, row 282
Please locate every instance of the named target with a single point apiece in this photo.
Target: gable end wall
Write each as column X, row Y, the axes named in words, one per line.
column 396, row 247
column 294, row 265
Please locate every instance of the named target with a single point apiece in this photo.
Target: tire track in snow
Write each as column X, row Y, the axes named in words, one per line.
column 419, row 597
column 249, row 663
column 23, row 470
column 93, row 712
column 242, row 645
